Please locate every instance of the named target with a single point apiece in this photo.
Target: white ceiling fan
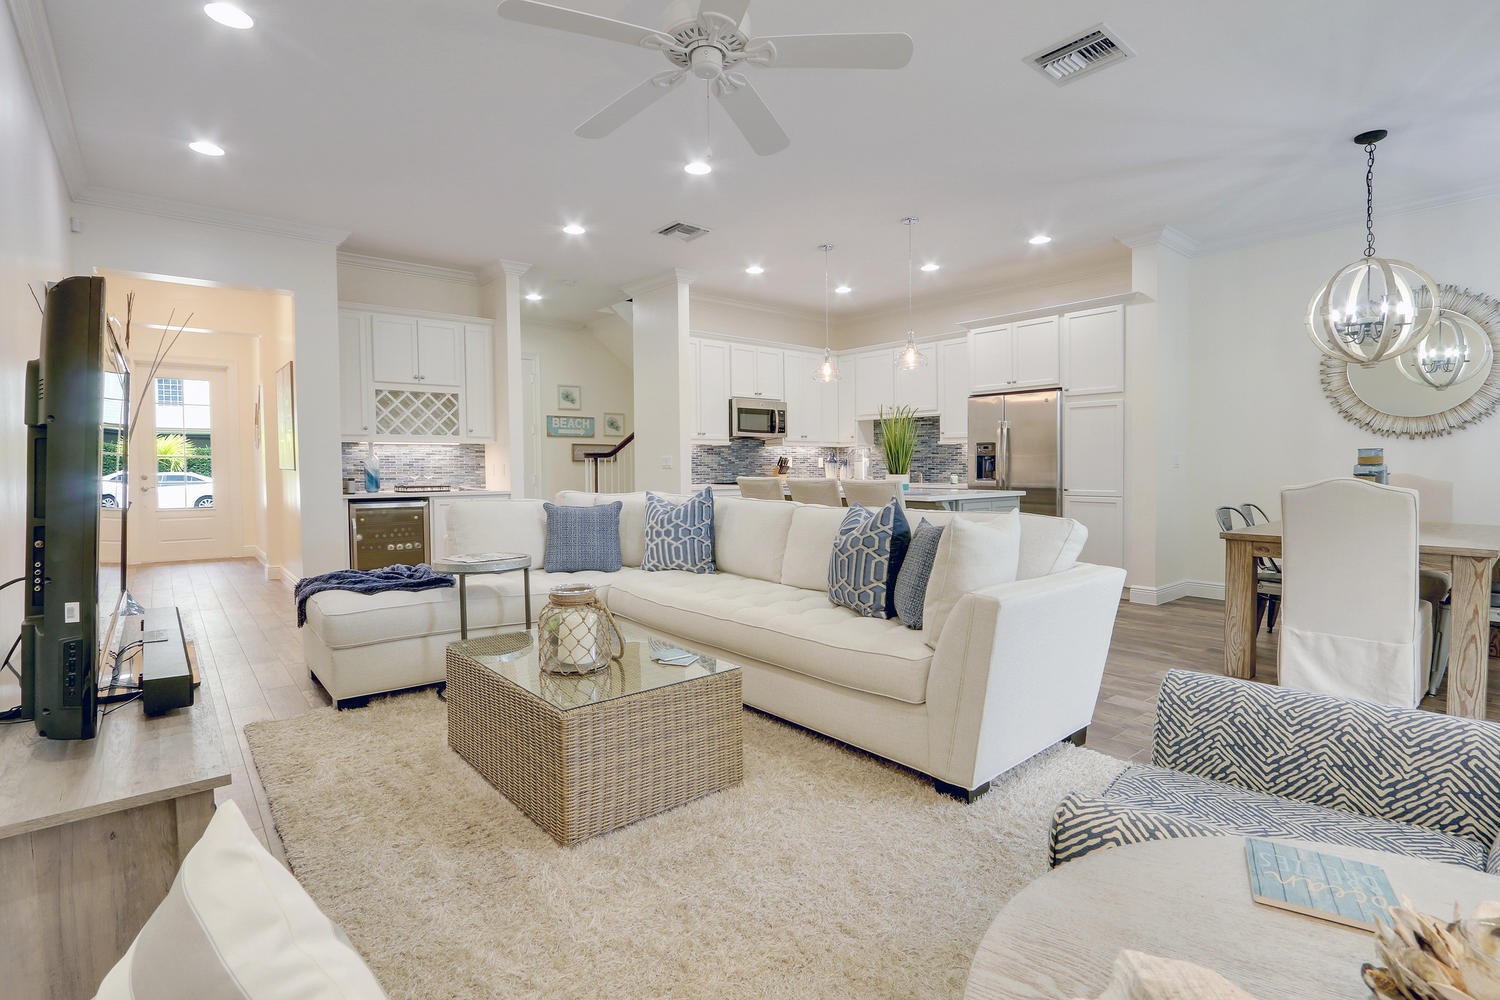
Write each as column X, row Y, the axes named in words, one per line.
column 712, row 40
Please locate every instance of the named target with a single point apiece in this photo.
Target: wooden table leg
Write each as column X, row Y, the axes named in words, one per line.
column 1239, row 609
column 1469, row 647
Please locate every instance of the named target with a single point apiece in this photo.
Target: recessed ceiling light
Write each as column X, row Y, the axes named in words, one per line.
column 229, row 15
column 206, row 148
column 533, row 296
column 1039, row 239
column 698, row 167
column 574, row 229
column 755, row 269
column 931, row 265
column 843, row 290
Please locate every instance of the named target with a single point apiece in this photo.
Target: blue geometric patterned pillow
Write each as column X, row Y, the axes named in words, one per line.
column 916, row 569
column 583, row 538
column 867, row 555
column 680, row 536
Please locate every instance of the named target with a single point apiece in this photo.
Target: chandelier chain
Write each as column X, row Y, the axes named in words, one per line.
column 1370, row 200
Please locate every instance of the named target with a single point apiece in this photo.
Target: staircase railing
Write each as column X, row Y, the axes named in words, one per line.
column 604, row 472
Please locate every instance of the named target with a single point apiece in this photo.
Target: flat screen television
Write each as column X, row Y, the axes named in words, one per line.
column 77, row 413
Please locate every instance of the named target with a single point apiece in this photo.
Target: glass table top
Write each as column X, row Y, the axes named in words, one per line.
column 513, row 655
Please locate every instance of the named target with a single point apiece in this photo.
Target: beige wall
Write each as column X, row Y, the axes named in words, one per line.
column 33, row 251
column 569, row 356
column 711, row 316
column 384, row 286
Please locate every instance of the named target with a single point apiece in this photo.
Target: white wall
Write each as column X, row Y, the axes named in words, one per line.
column 569, row 356
column 312, row 529
column 378, row 285
column 713, row 315
column 33, row 250
column 1259, row 417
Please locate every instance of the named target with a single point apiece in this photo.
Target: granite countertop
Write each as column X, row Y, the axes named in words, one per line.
column 421, row 495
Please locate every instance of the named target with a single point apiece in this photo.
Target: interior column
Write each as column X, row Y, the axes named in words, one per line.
column 663, row 382
column 501, row 298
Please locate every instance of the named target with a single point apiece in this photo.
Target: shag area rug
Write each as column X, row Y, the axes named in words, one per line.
column 827, row 874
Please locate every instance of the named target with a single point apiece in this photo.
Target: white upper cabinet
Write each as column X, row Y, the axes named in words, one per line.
column 917, row 389
column 992, row 351
column 479, row 383
column 741, row 370
column 354, row 377
column 393, row 343
column 954, row 373
column 846, row 429
column 1036, row 353
column 1094, row 351
column 812, row 408
column 874, row 382
column 440, row 351
column 757, row 371
column 711, row 391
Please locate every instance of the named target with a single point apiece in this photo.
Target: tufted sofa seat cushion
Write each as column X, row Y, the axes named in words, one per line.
column 793, row 628
column 344, row 620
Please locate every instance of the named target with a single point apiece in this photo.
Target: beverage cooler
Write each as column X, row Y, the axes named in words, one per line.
column 387, row 533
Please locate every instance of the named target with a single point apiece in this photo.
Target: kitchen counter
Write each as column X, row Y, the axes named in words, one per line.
column 928, row 496
column 404, row 495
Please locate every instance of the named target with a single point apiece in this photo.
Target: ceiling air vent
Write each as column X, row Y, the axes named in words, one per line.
column 684, row 231
column 1092, row 50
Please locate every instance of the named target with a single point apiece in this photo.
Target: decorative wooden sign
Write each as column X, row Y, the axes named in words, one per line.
column 569, row 427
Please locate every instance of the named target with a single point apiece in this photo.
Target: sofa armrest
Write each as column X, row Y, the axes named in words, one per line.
column 1017, row 668
column 1402, row 764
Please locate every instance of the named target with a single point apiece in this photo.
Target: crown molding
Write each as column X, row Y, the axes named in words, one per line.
column 790, row 312
column 169, row 208
column 413, row 269
column 671, row 276
column 35, row 38
column 982, row 290
column 504, row 268
column 1173, row 239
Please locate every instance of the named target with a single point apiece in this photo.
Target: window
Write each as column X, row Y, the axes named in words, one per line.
column 184, row 444
column 169, row 392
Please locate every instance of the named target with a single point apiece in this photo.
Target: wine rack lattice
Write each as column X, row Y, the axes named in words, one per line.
column 416, row 414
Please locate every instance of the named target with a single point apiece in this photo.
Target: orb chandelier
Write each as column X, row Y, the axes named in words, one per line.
column 910, row 359
column 1375, row 308
column 1456, row 348
column 828, row 370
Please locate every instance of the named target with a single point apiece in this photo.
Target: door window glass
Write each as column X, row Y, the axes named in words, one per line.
column 184, row 445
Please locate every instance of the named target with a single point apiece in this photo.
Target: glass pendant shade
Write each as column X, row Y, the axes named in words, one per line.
column 910, row 359
column 1371, row 310
column 827, row 370
column 1456, row 349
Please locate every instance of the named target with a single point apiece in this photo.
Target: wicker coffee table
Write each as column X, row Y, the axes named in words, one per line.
column 583, row 755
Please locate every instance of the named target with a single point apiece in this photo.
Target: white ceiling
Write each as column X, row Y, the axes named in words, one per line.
column 435, row 131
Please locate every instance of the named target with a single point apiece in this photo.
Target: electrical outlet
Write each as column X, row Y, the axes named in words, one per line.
column 666, row 461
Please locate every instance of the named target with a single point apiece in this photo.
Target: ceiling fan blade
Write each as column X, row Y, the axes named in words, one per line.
column 547, row 15
column 754, row 119
column 734, row 10
column 627, row 107
column 891, row 50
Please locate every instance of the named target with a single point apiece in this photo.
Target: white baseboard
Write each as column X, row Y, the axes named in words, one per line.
column 257, row 553
column 1173, row 591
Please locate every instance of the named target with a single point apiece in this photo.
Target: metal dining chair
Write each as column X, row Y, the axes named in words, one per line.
column 1267, row 571
column 760, row 487
column 818, row 491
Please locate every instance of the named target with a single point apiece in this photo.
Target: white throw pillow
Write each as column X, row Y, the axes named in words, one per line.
column 237, row 926
column 971, row 556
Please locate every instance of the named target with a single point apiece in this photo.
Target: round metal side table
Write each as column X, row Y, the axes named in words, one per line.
column 488, row 562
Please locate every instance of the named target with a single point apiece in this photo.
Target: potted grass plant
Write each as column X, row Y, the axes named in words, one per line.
column 898, row 441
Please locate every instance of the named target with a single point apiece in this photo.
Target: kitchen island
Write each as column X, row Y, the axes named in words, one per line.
column 927, row 496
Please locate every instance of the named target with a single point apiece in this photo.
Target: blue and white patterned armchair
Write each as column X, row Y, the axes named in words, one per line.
column 1240, row 758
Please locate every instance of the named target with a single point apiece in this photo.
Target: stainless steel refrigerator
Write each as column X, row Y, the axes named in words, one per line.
column 1015, row 443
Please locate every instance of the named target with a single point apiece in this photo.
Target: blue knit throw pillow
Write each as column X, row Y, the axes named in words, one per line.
column 583, row 538
column 916, row 569
column 680, row 535
column 867, row 555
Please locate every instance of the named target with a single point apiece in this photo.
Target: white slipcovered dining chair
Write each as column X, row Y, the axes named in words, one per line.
column 818, row 491
column 1436, row 504
column 871, row 493
column 1352, row 621
column 760, row 487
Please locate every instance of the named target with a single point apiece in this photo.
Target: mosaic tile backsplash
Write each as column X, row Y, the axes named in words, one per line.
column 450, row 464
column 749, row 457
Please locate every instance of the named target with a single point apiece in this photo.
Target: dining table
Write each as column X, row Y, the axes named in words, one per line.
column 1467, row 551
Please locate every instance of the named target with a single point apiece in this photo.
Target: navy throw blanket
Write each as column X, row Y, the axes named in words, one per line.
column 367, row 581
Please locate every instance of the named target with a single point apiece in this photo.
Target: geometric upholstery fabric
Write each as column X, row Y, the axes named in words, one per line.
column 680, row 536
column 916, row 569
column 866, row 559
column 1435, row 771
column 581, row 539
column 1150, row 803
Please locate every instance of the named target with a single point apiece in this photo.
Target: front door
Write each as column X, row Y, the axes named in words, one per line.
column 183, row 495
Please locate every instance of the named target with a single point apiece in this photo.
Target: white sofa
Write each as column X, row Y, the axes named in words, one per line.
column 1016, row 667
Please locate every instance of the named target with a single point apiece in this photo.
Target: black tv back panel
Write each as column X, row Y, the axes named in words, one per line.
column 64, row 410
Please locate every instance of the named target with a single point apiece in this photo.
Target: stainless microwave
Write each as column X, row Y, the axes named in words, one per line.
column 754, row 417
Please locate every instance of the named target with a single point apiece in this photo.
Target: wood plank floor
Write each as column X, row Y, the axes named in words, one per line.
column 250, row 656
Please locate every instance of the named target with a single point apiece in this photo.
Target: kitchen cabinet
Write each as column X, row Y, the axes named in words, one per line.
column 1094, row 459
column 1023, row 355
column 848, row 424
column 919, row 388
column 354, row 376
column 874, row 382
column 954, row 374
column 1104, row 517
column 407, row 350
column 479, row 383
column 710, row 361
column 1093, row 350
column 812, row 408
column 757, row 371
